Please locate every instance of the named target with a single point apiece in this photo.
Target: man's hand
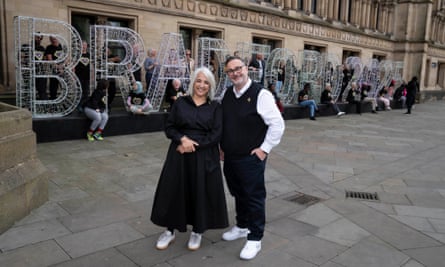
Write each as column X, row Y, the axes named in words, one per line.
column 259, row 153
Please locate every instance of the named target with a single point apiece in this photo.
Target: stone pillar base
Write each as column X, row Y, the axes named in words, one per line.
column 23, row 178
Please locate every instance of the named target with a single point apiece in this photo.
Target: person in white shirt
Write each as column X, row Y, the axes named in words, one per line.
column 252, row 126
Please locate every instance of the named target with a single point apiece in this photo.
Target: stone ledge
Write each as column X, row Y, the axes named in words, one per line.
column 13, row 120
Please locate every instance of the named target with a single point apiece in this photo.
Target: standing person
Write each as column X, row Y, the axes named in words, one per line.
column 190, row 190
column 347, row 76
column 305, row 101
column 190, row 61
column 53, row 51
column 150, row 64
column 258, row 64
column 326, row 98
column 82, row 71
column 252, row 126
column 95, row 109
column 39, row 53
column 281, row 72
column 411, row 90
column 112, row 58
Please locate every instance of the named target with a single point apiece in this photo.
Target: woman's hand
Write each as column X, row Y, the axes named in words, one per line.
column 188, row 144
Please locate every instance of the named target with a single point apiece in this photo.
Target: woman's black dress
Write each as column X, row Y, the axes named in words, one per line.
column 190, row 190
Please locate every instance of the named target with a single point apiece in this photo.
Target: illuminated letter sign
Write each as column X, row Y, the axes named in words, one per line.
column 46, row 85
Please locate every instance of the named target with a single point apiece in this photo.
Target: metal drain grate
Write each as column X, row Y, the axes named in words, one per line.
column 362, row 195
column 303, row 199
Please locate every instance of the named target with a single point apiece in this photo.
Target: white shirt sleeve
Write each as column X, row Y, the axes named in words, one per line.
column 268, row 110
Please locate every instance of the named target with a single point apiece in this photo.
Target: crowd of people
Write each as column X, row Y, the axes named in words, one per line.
column 359, row 94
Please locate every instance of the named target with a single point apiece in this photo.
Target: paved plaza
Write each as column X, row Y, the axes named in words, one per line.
column 100, row 197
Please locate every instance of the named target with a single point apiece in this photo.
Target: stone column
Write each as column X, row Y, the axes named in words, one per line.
column 287, row 4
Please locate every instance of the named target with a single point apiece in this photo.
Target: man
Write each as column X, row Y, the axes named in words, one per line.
column 82, row 71
column 112, row 58
column 258, row 64
column 173, row 91
column 326, row 98
column 252, row 126
column 39, row 52
column 54, row 51
column 304, row 101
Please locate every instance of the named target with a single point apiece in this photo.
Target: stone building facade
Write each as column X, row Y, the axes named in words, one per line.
column 412, row 31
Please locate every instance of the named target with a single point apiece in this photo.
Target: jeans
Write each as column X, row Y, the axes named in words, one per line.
column 245, row 180
column 99, row 119
column 311, row 104
column 278, row 86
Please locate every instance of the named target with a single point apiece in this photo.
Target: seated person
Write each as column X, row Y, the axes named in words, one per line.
column 355, row 98
column 326, row 98
column 271, row 88
column 400, row 94
column 137, row 101
column 365, row 98
column 381, row 98
column 173, row 91
column 95, row 108
column 304, row 101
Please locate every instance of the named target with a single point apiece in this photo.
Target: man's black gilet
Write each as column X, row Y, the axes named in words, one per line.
column 243, row 127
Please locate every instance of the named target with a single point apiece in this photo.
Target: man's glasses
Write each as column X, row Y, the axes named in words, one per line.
column 235, row 70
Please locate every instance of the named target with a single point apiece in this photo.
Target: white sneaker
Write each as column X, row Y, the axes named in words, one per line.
column 165, row 239
column 250, row 249
column 235, row 233
column 341, row 113
column 194, row 241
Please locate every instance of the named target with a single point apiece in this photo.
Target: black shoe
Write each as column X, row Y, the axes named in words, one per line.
column 373, row 111
column 312, row 118
column 407, row 112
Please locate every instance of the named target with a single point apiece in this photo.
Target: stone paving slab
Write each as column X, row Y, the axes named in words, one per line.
column 395, row 233
column 41, row 254
column 372, row 252
column 105, row 258
column 97, row 239
column 31, row 233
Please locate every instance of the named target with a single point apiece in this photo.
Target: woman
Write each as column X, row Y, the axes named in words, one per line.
column 95, row 110
column 190, row 190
